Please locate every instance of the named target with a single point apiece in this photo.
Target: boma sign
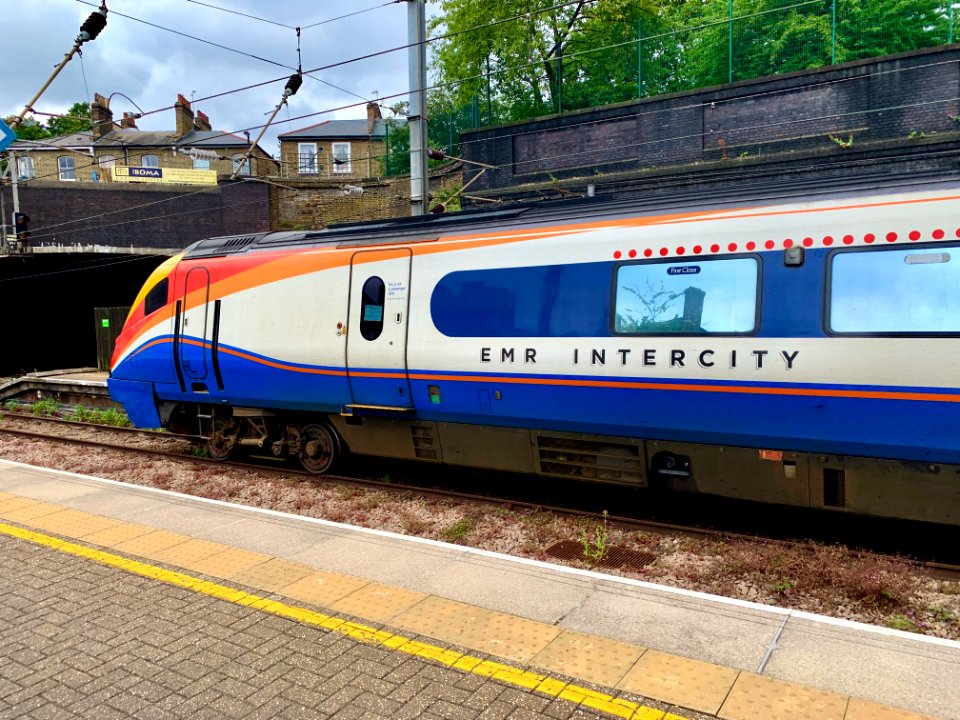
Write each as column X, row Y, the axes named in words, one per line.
column 145, row 172
column 174, row 176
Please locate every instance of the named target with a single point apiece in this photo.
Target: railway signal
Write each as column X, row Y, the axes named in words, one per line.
column 21, row 222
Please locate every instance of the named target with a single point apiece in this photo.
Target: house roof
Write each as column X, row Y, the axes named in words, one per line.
column 132, row 137
column 336, row 129
column 73, row 140
column 127, row 137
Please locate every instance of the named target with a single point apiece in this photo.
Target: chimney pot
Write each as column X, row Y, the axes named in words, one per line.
column 101, row 116
column 373, row 114
column 184, row 116
column 202, row 122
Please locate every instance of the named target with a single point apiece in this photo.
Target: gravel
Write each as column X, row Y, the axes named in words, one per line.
column 830, row 580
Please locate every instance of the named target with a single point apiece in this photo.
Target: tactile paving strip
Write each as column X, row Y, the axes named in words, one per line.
column 753, row 697
column 690, row 683
column 592, row 658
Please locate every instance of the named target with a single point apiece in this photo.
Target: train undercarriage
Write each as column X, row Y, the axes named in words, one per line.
column 870, row 486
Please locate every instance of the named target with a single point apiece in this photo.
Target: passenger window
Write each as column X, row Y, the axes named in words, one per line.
column 707, row 297
column 371, row 308
column 157, row 297
column 915, row 290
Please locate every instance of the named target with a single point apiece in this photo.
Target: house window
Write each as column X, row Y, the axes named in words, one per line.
column 241, row 164
column 307, row 158
column 914, row 291
column 106, row 161
column 150, row 161
column 25, row 168
column 201, row 164
column 67, row 167
column 341, row 158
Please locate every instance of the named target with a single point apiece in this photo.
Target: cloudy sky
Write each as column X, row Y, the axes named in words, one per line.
column 150, row 65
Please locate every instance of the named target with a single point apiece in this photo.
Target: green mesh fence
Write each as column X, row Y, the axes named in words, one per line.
column 715, row 42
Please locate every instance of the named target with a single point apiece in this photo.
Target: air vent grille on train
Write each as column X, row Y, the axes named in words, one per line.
column 424, row 442
column 597, row 460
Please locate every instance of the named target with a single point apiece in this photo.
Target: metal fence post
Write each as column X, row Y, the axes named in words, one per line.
column 833, row 33
column 949, row 22
column 729, row 40
column 639, row 58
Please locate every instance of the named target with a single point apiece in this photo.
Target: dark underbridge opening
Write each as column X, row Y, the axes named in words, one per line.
column 47, row 303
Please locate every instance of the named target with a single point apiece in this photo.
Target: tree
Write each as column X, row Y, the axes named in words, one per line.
column 397, row 141
column 497, row 62
column 506, row 53
column 76, row 119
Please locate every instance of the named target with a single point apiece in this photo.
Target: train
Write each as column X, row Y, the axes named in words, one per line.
column 799, row 346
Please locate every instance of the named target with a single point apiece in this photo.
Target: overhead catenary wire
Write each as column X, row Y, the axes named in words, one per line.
column 456, row 81
column 694, row 104
column 241, row 14
column 580, row 153
column 74, row 269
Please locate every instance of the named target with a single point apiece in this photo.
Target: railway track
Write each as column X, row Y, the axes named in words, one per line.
column 185, row 449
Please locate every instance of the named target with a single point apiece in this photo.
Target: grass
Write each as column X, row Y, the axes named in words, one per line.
column 45, row 407
column 456, row 532
column 110, row 416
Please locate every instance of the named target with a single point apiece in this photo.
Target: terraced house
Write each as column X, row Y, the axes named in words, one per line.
column 192, row 153
column 336, row 149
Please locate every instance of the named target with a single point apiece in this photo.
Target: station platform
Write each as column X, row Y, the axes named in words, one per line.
column 120, row 601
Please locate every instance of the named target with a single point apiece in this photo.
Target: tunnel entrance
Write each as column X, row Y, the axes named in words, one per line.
column 48, row 302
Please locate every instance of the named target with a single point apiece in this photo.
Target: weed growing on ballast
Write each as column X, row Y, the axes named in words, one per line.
column 457, row 531
column 45, row 407
column 596, row 543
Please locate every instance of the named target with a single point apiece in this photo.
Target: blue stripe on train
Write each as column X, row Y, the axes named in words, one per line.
column 917, row 430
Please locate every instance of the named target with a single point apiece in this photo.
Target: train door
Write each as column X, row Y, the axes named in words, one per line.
column 194, row 327
column 377, row 328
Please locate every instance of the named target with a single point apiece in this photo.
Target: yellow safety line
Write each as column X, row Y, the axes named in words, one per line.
column 525, row 679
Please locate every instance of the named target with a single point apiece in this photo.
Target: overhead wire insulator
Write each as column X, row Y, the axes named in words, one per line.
column 93, row 25
column 293, row 84
column 198, row 154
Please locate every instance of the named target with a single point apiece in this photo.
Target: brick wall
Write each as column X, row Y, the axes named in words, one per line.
column 140, row 216
column 303, row 204
column 819, row 119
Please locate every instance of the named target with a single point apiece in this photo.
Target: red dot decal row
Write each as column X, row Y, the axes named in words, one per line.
column 807, row 242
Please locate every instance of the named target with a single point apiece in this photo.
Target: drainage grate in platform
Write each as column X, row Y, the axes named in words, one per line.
column 616, row 557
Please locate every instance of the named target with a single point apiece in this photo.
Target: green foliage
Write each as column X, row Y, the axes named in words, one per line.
column 398, row 147
column 596, row 542
column 76, row 119
column 457, row 531
column 45, row 407
column 109, row 416
column 898, row 621
column 556, row 59
column 840, row 142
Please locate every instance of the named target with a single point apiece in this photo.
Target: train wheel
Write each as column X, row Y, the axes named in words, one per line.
column 223, row 438
column 319, row 448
